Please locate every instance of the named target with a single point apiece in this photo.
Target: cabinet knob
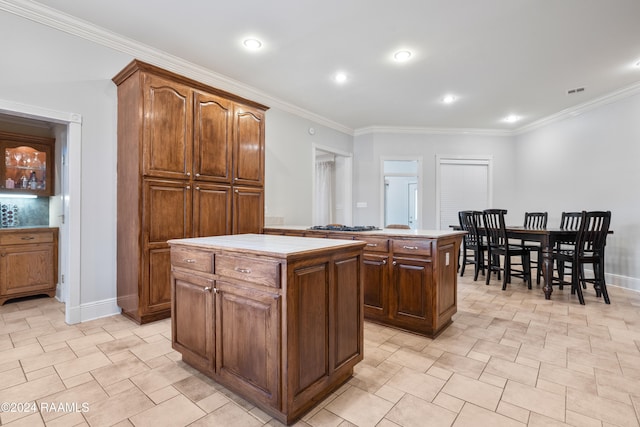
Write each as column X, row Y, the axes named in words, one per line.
column 197, row 188
column 237, row 191
column 394, row 263
column 207, row 289
column 197, row 175
column 188, row 187
column 188, row 173
column 384, row 261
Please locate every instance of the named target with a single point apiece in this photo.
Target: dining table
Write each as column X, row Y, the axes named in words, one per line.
column 547, row 237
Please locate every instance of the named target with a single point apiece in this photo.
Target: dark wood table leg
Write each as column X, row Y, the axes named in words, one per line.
column 547, row 266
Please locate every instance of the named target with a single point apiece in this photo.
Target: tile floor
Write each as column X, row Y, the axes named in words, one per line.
column 510, row 358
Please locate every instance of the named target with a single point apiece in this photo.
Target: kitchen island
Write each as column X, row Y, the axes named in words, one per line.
column 410, row 276
column 276, row 319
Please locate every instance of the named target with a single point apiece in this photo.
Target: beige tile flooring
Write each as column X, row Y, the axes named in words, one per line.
column 510, row 358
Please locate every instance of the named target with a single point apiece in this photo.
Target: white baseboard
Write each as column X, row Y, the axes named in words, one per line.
column 627, row 282
column 92, row 310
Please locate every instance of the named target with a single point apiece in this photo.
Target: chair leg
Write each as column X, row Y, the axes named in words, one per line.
column 478, row 260
column 464, row 261
column 526, row 267
column 489, row 267
column 538, row 267
column 561, row 275
column 575, row 282
column 506, row 277
column 598, row 269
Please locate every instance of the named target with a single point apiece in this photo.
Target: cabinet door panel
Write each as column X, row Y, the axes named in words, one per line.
column 248, row 330
column 26, row 268
column 248, row 210
column 212, row 137
column 167, row 211
column 376, row 285
column 157, row 285
column 192, row 318
column 167, row 138
column 211, row 210
column 309, row 336
column 248, row 146
column 347, row 294
column 412, row 289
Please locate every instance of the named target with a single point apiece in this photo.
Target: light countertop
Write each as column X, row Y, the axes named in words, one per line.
column 264, row 244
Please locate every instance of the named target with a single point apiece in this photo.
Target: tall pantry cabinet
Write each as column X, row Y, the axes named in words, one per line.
column 190, row 164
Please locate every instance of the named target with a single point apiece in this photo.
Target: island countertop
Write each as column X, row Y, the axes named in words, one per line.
column 386, row 232
column 264, row 244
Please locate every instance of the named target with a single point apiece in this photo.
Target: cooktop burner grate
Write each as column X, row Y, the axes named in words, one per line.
column 344, row 227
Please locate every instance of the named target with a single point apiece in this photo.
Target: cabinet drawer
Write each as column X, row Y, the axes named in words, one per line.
column 26, row 237
column 261, row 272
column 412, row 247
column 192, row 259
column 375, row 244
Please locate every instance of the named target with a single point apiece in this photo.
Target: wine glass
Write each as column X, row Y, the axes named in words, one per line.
column 18, row 156
column 35, row 162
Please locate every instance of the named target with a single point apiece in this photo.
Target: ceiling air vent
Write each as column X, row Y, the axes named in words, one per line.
column 576, row 90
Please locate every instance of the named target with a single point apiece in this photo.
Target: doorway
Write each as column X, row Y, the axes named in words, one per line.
column 463, row 183
column 64, row 207
column 401, row 201
column 332, row 186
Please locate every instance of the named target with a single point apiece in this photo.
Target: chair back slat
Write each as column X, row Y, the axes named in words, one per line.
column 535, row 220
column 469, row 222
column 570, row 220
column 592, row 234
column 494, row 226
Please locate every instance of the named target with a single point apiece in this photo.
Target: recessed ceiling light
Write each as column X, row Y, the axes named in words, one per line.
column 511, row 118
column 252, row 44
column 402, row 55
column 448, row 99
column 340, row 77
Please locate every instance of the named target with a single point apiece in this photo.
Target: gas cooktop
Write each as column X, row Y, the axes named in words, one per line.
column 337, row 227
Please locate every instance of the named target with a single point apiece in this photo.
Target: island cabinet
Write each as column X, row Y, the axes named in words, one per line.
column 410, row 279
column 190, row 164
column 28, row 262
column 276, row 319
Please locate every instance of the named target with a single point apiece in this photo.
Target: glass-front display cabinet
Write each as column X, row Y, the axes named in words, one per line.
column 28, row 164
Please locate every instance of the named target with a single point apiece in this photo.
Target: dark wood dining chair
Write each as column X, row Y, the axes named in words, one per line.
column 568, row 221
column 498, row 246
column 538, row 221
column 473, row 245
column 588, row 249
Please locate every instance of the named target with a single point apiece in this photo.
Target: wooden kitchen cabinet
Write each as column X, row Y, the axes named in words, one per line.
column 410, row 279
column 28, row 164
column 28, row 262
column 278, row 320
column 184, row 150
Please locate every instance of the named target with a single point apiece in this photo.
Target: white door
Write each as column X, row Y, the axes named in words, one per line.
column 464, row 184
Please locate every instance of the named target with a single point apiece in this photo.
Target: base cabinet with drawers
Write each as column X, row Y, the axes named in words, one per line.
column 28, row 262
column 276, row 319
column 410, row 279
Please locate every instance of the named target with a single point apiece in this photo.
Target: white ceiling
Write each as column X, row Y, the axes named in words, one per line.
column 498, row 57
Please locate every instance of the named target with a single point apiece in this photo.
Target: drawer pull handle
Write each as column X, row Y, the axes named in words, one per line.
column 242, row 270
column 27, row 238
column 373, row 245
column 190, row 261
column 410, row 247
column 207, row 289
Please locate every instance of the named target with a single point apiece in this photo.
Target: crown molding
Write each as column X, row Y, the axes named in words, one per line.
column 576, row 110
column 53, row 18
column 431, row 131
